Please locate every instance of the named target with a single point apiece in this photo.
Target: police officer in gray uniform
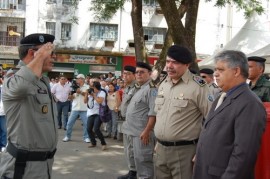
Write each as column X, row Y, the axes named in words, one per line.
column 129, row 91
column 140, row 121
column 31, row 113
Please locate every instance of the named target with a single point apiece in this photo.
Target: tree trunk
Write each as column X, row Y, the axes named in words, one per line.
column 190, row 26
column 136, row 17
column 182, row 35
column 162, row 56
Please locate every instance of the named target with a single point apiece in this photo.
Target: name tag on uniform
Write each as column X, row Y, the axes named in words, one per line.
column 41, row 91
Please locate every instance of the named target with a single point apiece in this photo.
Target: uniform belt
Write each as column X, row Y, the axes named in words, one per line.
column 29, row 155
column 178, row 143
column 22, row 156
column 62, row 101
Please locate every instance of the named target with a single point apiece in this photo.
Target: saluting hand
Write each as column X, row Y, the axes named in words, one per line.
column 44, row 51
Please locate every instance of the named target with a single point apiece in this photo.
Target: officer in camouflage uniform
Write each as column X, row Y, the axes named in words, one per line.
column 207, row 75
column 31, row 113
column 258, row 82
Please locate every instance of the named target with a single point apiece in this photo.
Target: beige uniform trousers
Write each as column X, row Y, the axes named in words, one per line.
column 174, row 162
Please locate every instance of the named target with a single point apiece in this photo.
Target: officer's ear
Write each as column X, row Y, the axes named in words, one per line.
column 31, row 52
column 237, row 71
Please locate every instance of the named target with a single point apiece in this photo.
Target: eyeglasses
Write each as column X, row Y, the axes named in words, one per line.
column 204, row 76
column 140, row 72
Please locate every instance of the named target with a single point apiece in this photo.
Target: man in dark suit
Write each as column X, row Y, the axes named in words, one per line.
column 231, row 134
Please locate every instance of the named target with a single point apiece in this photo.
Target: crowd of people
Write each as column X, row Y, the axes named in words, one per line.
column 187, row 126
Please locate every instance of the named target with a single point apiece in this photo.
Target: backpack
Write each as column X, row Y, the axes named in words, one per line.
column 105, row 114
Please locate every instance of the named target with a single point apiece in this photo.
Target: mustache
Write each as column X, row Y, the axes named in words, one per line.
column 170, row 70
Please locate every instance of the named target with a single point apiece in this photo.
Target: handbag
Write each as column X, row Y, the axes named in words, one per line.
column 105, row 114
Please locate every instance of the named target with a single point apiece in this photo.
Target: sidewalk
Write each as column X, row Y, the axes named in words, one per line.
column 74, row 160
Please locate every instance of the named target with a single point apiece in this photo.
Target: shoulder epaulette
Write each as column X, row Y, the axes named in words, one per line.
column 137, row 86
column 214, row 85
column 199, row 80
column 152, row 84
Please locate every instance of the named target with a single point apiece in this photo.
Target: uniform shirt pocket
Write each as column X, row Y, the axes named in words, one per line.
column 179, row 103
column 158, row 103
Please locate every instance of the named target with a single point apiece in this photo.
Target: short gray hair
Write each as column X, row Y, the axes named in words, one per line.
column 234, row 59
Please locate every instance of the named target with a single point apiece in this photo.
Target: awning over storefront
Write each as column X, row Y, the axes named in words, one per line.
column 63, row 69
column 9, row 56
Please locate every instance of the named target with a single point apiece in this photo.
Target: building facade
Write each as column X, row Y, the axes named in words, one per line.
column 101, row 47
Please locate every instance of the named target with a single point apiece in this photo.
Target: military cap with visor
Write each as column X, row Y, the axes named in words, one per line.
column 36, row 39
column 256, row 59
column 180, row 54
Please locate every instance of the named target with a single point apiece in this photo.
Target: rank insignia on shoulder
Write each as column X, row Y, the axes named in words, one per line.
column 152, row 84
column 214, row 85
column 137, row 86
column 199, row 80
column 44, row 109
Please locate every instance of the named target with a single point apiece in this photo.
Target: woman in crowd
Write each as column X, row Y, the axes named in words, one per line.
column 94, row 98
column 114, row 102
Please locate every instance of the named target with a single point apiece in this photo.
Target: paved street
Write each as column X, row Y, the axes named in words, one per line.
column 74, row 160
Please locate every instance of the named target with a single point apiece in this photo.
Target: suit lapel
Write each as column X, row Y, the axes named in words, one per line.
column 226, row 102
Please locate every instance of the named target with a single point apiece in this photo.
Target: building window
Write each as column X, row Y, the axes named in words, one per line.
column 150, row 3
column 51, row 1
column 8, row 4
column 10, row 35
column 50, row 28
column 69, row 2
column 66, row 31
column 13, row 4
column 103, row 31
column 153, row 34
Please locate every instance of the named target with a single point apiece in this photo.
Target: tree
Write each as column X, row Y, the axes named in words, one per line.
column 174, row 11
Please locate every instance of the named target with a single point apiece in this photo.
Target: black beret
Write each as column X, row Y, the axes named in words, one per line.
column 36, row 39
column 130, row 68
column 180, row 54
column 256, row 59
column 144, row 65
column 207, row 71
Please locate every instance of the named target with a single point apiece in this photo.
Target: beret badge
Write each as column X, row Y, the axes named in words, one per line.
column 41, row 39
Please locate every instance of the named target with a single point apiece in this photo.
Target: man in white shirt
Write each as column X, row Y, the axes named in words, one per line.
column 61, row 91
column 78, row 108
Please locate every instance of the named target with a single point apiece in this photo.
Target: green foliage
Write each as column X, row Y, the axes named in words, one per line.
column 249, row 6
column 74, row 6
column 105, row 9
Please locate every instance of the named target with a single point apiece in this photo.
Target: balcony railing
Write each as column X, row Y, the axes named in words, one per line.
column 7, row 40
